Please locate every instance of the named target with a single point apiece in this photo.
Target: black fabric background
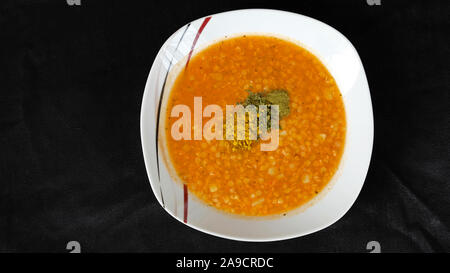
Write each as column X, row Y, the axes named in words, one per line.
column 71, row 166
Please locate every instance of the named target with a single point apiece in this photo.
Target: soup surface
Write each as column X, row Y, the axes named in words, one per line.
column 311, row 137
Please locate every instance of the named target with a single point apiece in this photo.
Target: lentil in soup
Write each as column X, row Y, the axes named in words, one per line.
column 311, row 137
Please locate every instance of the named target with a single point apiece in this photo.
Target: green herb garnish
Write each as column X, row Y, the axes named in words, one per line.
column 274, row 97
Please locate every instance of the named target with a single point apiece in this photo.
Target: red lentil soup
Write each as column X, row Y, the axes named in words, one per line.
column 311, row 138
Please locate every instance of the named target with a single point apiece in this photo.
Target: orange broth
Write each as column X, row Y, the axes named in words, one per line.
column 312, row 137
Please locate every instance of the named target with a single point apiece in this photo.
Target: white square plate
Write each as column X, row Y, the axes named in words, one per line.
column 342, row 61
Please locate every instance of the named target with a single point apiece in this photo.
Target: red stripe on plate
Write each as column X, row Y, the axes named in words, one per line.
column 186, row 198
column 185, row 189
column 205, row 21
